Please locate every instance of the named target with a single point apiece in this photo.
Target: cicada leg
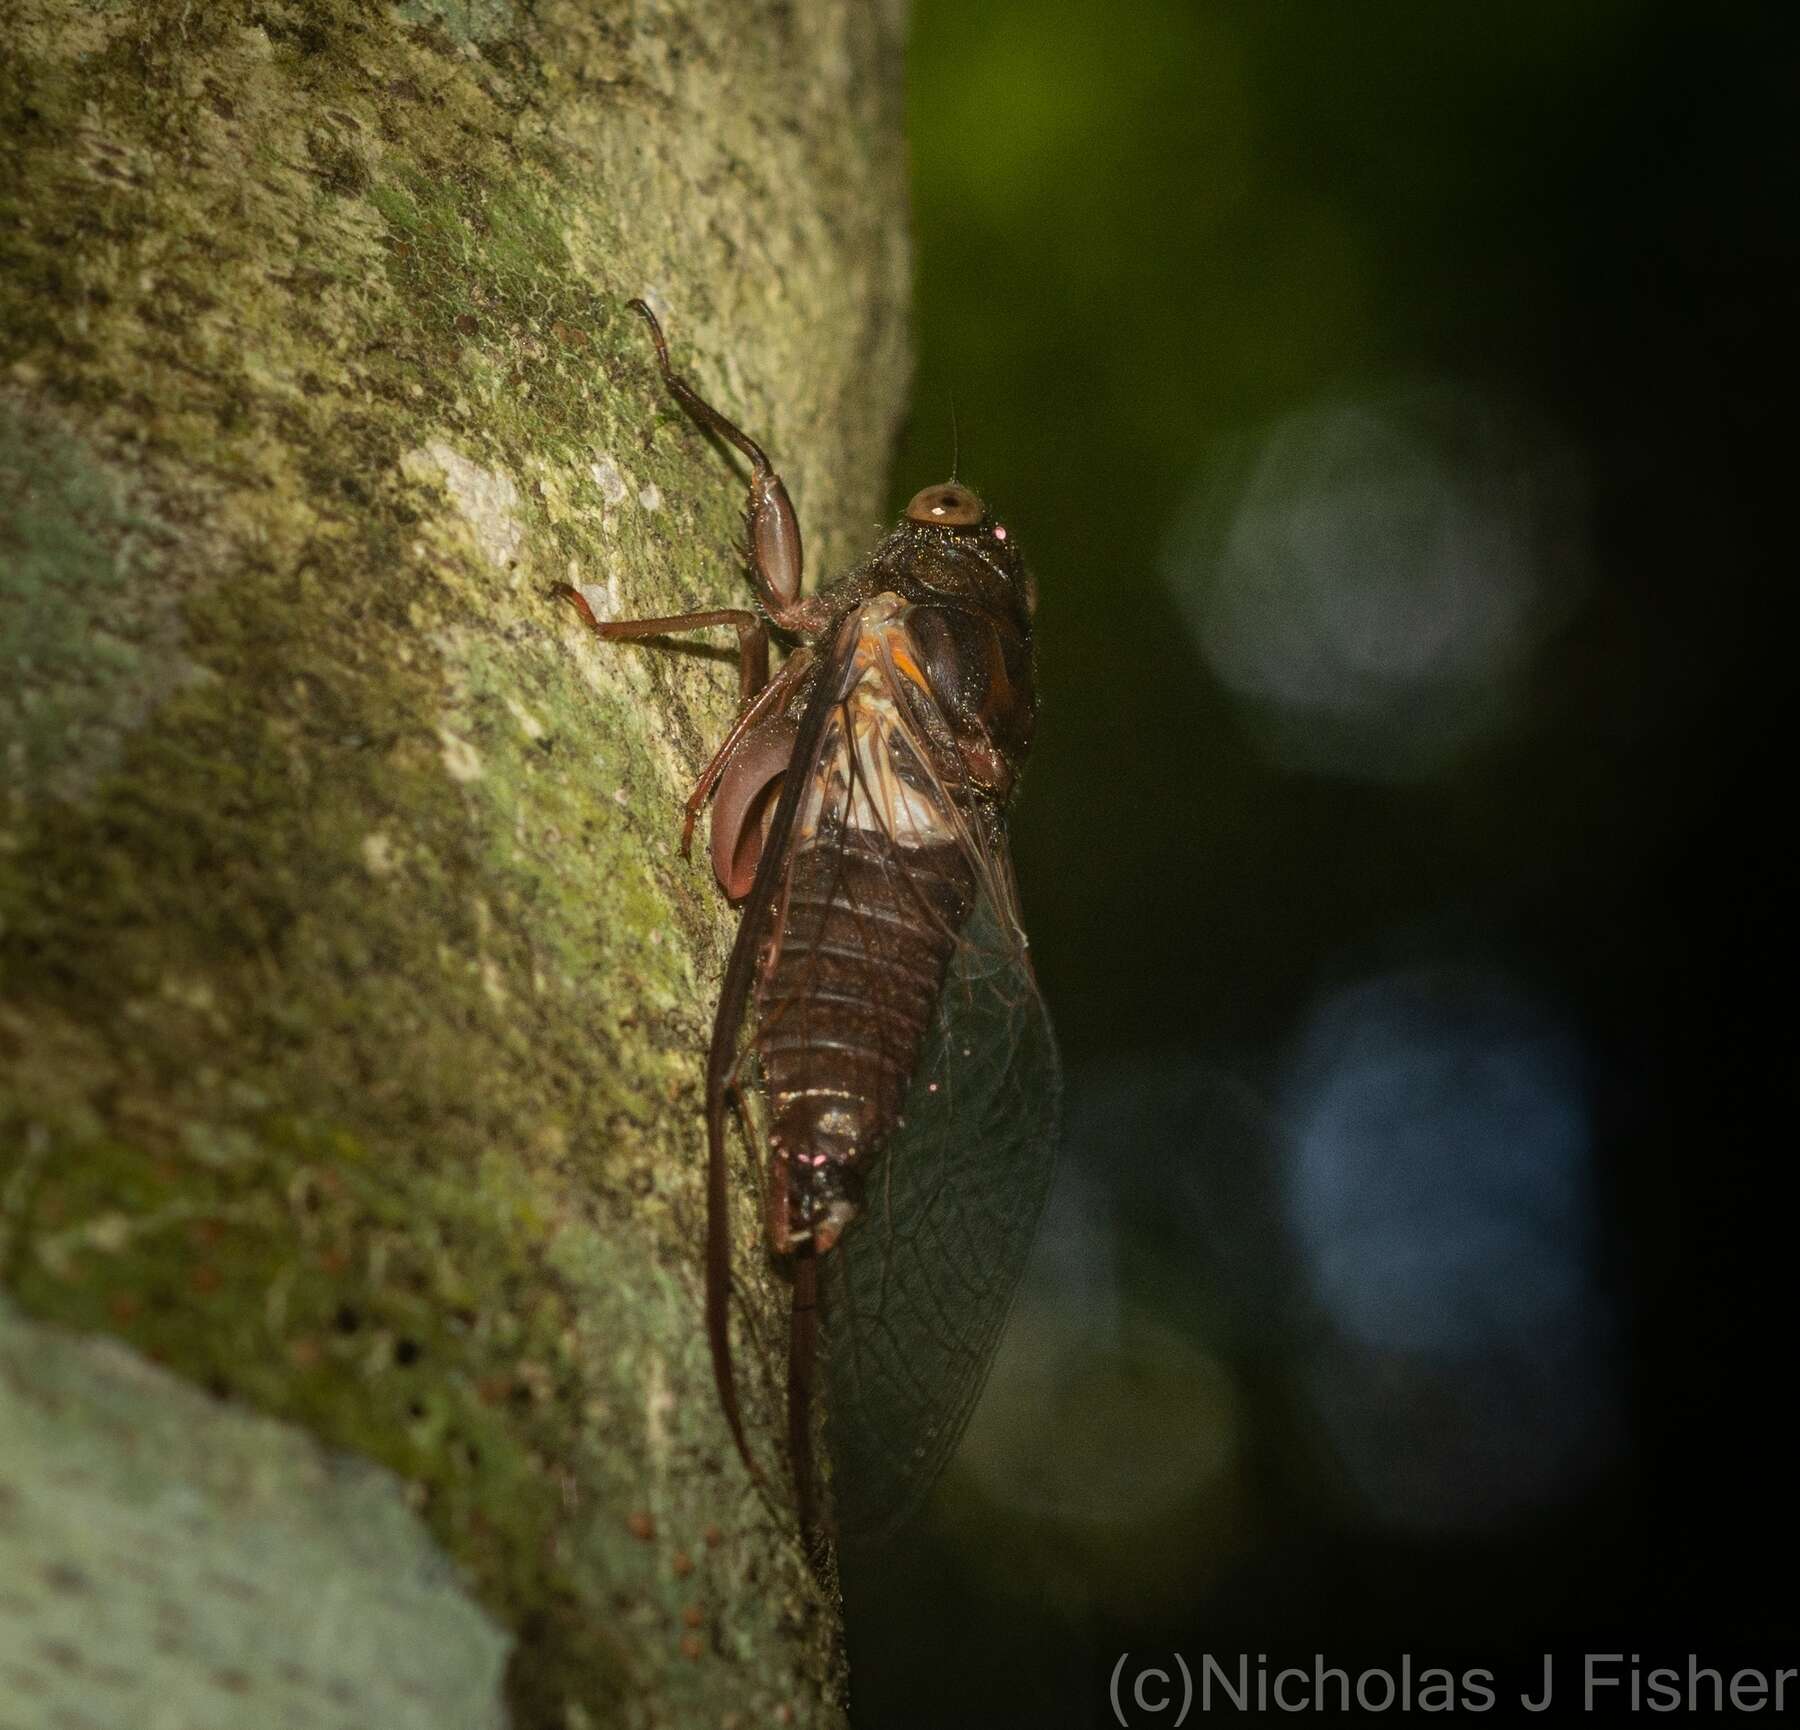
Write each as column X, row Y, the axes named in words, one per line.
column 753, row 633
column 803, row 1341
column 776, row 555
column 765, row 702
column 759, row 693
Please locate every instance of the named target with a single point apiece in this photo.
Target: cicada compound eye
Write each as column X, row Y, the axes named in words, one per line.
column 946, row 505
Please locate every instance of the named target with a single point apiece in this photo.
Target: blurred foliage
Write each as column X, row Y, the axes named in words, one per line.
column 1147, row 231
column 1146, row 227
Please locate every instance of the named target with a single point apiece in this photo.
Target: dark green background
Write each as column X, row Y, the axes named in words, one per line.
column 1146, row 229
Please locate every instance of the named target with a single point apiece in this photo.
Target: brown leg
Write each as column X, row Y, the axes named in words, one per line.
column 756, row 689
column 775, row 550
column 802, row 1352
column 759, row 706
column 718, row 1276
column 753, row 633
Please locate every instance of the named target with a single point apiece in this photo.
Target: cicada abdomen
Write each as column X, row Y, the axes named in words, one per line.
column 878, row 990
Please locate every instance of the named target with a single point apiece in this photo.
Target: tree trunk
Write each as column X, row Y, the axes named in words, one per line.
column 355, row 995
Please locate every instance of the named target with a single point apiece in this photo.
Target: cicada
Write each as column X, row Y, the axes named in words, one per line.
column 879, row 992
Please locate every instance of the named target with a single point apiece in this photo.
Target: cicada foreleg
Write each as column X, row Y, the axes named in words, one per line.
column 766, row 702
column 776, row 556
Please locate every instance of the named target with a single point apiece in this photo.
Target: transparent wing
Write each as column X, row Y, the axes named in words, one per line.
column 916, row 1295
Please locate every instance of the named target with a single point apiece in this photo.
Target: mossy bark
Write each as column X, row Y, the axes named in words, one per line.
column 354, row 993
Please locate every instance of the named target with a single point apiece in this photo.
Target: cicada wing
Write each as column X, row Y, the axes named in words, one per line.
column 917, row 1294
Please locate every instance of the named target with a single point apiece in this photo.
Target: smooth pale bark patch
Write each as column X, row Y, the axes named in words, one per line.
column 164, row 1560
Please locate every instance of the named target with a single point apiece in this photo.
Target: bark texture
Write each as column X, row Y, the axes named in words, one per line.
column 354, row 996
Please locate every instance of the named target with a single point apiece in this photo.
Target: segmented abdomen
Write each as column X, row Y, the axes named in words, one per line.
column 866, row 937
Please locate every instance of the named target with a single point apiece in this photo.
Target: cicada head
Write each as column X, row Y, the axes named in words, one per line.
column 957, row 549
column 971, row 603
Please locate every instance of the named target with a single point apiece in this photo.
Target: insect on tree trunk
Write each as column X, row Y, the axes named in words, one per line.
column 352, row 995
column 860, row 814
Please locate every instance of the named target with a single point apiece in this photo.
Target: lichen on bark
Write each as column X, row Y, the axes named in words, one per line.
column 354, row 995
